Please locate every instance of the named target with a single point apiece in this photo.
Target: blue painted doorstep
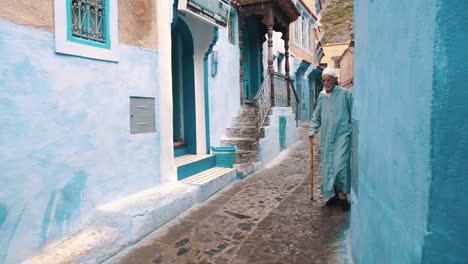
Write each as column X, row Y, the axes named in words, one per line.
column 193, row 168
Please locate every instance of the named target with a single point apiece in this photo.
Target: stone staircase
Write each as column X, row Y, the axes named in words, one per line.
column 243, row 135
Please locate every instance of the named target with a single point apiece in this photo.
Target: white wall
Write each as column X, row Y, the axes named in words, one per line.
column 224, row 88
column 164, row 15
column 269, row 147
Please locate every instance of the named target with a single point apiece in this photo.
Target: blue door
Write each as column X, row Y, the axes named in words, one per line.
column 183, row 90
column 251, row 58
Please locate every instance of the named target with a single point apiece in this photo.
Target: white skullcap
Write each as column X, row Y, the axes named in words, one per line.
column 329, row 71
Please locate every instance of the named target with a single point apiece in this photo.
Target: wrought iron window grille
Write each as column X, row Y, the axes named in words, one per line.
column 88, row 20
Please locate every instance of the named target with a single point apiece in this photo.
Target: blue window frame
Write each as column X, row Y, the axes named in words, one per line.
column 88, row 22
column 232, row 27
column 317, row 6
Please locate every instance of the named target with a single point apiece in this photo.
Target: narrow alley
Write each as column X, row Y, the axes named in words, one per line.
column 266, row 218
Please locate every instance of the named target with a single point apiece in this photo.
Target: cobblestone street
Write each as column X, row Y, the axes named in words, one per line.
column 266, row 218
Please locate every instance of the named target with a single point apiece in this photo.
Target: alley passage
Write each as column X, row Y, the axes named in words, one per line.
column 266, row 218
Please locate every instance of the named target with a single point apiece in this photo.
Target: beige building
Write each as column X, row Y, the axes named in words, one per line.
column 305, row 32
column 332, row 56
column 346, row 64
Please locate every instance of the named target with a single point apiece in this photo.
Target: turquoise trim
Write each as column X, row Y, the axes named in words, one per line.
column 207, row 97
column 251, row 58
column 282, row 133
column 71, row 38
column 193, row 168
column 189, row 116
column 235, row 24
column 174, row 14
column 181, row 151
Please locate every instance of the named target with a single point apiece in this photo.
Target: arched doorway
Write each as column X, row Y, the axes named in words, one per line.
column 183, row 90
column 251, row 58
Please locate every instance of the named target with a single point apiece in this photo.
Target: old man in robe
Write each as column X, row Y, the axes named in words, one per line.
column 333, row 116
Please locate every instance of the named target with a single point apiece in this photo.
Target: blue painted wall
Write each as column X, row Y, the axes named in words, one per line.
column 393, row 94
column 411, row 106
column 65, row 142
column 446, row 241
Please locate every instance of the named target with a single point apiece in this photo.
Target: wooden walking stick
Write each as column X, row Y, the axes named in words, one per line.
column 311, row 141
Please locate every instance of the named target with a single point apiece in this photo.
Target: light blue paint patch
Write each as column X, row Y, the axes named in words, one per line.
column 282, row 133
column 3, row 214
column 46, row 219
column 69, row 202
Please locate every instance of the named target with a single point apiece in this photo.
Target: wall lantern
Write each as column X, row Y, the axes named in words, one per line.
column 214, row 63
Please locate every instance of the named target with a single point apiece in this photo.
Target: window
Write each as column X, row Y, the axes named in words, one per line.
column 87, row 28
column 336, row 61
column 317, row 7
column 305, row 32
column 232, row 28
column 88, row 21
column 298, row 31
column 311, row 38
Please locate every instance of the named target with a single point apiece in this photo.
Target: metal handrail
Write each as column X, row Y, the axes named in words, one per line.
column 294, row 103
column 262, row 101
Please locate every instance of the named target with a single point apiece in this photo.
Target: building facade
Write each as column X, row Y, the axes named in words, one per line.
column 110, row 109
column 346, row 63
column 333, row 52
column 305, row 55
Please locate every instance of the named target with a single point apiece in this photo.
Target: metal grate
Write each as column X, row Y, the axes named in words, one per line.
column 88, row 20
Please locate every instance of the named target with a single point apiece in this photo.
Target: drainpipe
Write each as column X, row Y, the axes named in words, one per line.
column 207, row 97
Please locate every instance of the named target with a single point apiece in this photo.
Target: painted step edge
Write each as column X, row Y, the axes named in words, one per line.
column 192, row 168
column 189, row 158
column 214, row 184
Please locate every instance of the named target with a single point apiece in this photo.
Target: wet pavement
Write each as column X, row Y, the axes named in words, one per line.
column 265, row 218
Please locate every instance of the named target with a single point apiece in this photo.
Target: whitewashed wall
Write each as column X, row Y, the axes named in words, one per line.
column 65, row 138
column 224, row 88
column 269, row 147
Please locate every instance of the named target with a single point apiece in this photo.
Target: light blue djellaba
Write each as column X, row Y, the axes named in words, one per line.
column 333, row 116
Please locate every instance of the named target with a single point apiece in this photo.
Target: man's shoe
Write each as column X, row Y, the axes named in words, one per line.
column 333, row 201
column 345, row 205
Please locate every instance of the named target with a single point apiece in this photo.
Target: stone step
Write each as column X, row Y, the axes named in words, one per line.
column 211, row 181
column 242, row 132
column 241, row 143
column 244, row 156
column 245, row 169
column 245, row 120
